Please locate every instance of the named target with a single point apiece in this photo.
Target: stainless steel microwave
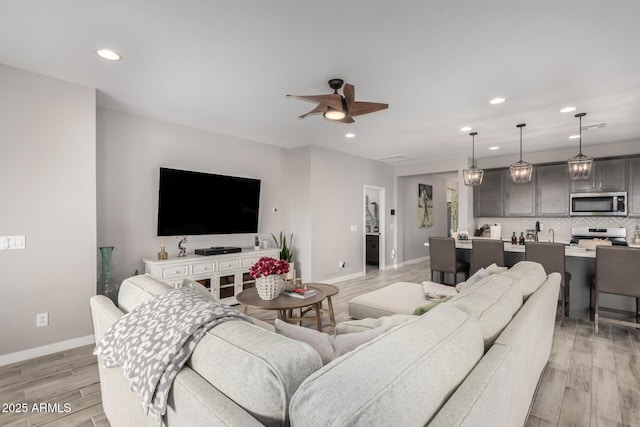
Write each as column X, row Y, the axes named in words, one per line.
column 598, row 204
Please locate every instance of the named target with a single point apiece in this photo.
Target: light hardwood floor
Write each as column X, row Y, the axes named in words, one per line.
column 589, row 380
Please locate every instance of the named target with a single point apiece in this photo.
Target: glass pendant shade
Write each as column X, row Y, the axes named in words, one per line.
column 580, row 165
column 521, row 171
column 473, row 176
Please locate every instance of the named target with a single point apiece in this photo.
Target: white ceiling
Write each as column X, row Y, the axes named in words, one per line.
column 226, row 66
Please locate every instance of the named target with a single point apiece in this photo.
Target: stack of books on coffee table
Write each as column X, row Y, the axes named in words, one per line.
column 300, row 292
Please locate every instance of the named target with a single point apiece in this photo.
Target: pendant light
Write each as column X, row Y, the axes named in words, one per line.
column 521, row 171
column 473, row 176
column 580, row 165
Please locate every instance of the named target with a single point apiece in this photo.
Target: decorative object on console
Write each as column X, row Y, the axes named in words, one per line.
column 163, row 253
column 268, row 274
column 106, row 286
column 256, row 244
column 183, row 250
column 281, row 241
column 521, row 171
column 580, row 165
column 473, row 176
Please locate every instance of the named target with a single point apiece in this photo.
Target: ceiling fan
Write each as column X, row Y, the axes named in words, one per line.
column 340, row 108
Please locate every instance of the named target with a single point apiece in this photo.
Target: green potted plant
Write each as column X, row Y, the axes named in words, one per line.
column 285, row 251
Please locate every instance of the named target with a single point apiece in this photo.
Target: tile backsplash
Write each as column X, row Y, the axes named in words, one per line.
column 560, row 226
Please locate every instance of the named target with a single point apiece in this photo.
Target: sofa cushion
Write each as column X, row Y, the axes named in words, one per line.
column 328, row 346
column 138, row 289
column 401, row 379
column 528, row 275
column 493, row 301
column 399, row 297
column 258, row 370
column 351, row 326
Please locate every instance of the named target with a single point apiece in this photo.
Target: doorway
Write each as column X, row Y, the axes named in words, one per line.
column 373, row 257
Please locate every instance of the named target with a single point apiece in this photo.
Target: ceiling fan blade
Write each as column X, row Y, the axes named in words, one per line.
column 333, row 100
column 360, row 108
column 349, row 95
column 320, row 108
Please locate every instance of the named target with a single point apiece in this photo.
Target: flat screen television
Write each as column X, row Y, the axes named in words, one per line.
column 192, row 203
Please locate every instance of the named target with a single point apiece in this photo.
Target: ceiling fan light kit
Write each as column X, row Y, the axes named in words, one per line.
column 340, row 108
column 580, row 165
column 474, row 175
column 521, row 171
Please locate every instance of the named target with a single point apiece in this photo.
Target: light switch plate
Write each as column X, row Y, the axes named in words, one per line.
column 12, row 242
column 354, row 228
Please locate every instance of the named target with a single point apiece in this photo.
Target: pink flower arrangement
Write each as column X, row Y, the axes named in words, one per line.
column 267, row 266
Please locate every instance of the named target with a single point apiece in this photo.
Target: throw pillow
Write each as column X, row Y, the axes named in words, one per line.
column 477, row 276
column 328, row 347
column 431, row 288
column 188, row 283
column 422, row 310
column 494, row 269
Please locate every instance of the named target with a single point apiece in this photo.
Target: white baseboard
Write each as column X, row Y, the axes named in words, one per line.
column 19, row 356
column 408, row 262
column 343, row 278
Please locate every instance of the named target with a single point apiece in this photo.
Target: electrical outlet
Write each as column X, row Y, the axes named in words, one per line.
column 341, row 264
column 42, row 319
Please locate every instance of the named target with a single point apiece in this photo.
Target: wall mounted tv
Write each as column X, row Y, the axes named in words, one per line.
column 191, row 203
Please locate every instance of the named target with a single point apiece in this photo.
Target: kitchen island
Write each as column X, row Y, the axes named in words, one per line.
column 581, row 264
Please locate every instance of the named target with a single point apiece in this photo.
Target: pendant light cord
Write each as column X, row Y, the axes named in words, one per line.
column 580, row 141
column 520, row 144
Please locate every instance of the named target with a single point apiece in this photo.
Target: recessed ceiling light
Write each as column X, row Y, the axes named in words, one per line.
column 568, row 109
column 574, row 137
column 494, row 148
column 497, row 100
column 465, row 129
column 108, row 54
column 350, row 135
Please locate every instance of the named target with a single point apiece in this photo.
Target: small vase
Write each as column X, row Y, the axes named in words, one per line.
column 269, row 287
column 106, row 286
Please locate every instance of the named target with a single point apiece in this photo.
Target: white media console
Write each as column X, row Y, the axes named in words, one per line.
column 225, row 275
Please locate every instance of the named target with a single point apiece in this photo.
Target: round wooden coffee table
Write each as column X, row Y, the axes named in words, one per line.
column 283, row 304
column 328, row 291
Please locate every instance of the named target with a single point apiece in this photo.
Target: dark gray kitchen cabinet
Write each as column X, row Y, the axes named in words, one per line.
column 520, row 199
column 634, row 187
column 488, row 199
column 373, row 249
column 606, row 175
column 552, row 185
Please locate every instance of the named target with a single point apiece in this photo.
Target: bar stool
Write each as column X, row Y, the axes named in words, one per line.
column 442, row 252
column 552, row 258
column 617, row 272
column 485, row 252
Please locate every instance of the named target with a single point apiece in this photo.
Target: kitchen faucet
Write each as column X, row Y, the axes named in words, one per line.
column 553, row 235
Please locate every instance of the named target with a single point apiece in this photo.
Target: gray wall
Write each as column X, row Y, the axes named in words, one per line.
column 414, row 237
column 48, row 194
column 131, row 150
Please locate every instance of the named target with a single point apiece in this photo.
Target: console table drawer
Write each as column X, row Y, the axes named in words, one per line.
column 202, row 268
column 177, row 271
column 248, row 262
column 231, row 264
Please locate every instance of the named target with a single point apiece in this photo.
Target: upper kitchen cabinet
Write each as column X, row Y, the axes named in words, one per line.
column 606, row 175
column 488, row 198
column 520, row 199
column 552, row 190
column 634, row 187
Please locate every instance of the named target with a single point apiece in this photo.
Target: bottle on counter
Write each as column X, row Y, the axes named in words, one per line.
column 521, row 241
column 514, row 239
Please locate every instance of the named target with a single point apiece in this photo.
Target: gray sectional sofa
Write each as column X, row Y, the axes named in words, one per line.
column 474, row 360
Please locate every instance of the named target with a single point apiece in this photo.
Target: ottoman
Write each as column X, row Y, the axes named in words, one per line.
column 399, row 297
